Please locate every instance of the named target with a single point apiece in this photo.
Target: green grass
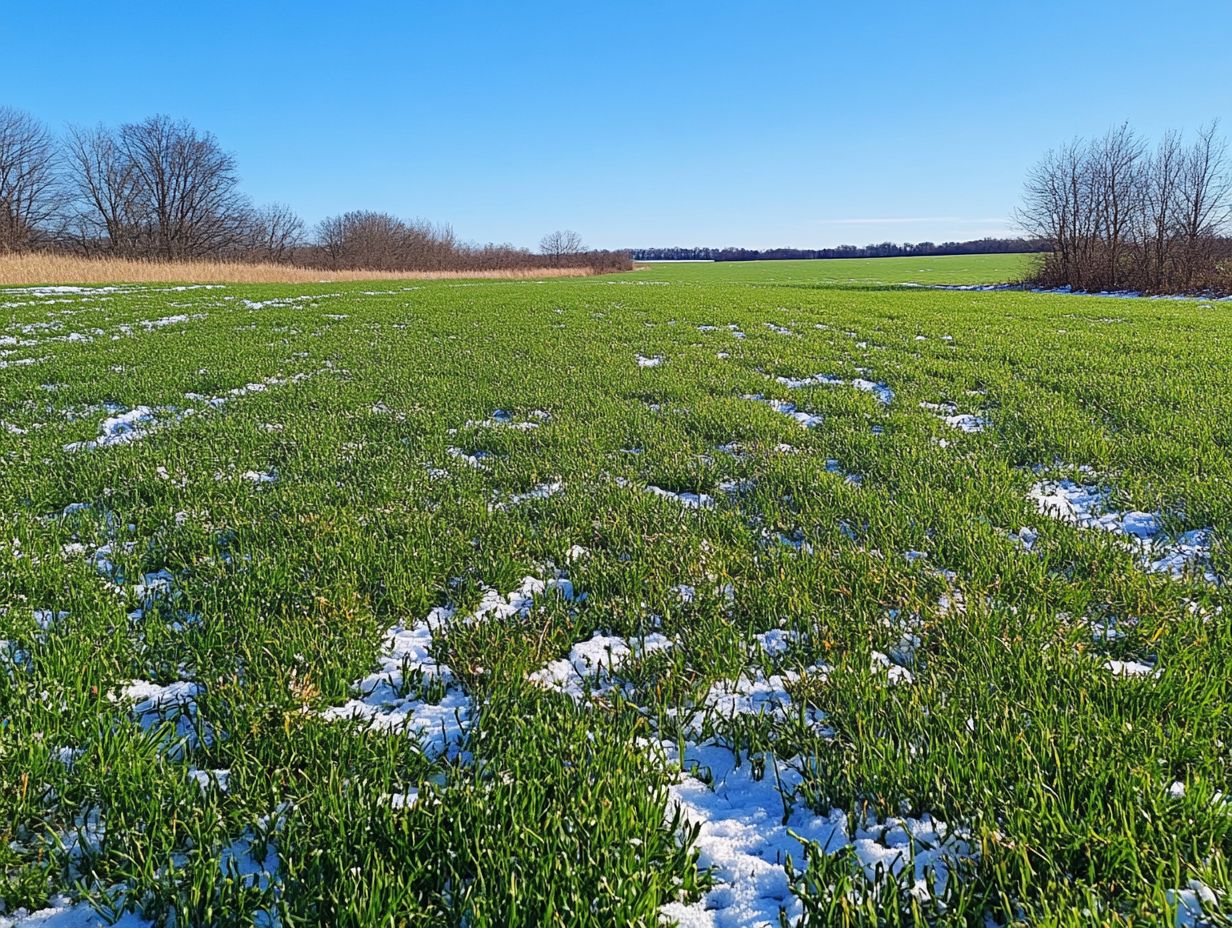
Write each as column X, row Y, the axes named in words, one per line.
column 1005, row 722
column 848, row 272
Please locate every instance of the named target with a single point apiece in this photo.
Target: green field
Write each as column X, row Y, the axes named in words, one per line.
column 703, row 593
column 849, row 272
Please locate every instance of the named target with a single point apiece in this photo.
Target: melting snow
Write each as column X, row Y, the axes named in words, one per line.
column 807, row 420
column 1084, row 505
column 748, row 827
column 154, row 704
column 540, row 491
column 118, row 430
column 1132, row 669
column 590, row 666
column 949, row 414
column 880, row 390
column 686, row 499
column 394, row 697
column 62, row 912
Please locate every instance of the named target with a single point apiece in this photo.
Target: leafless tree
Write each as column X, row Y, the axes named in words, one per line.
column 189, row 185
column 1205, row 199
column 1117, row 217
column 28, row 183
column 273, row 233
column 1160, row 192
column 1116, row 178
column 364, row 239
column 103, row 188
column 156, row 188
column 159, row 188
column 560, row 245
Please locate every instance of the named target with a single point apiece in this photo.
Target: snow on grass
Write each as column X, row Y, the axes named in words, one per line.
column 881, row 391
column 895, row 673
column 754, row 693
column 966, row 422
column 1192, row 903
column 119, row 429
column 747, row 826
column 589, row 668
column 686, row 499
column 1086, row 506
column 1132, row 669
column 260, row 477
column 154, row 704
column 949, row 414
column 125, row 426
column 834, row 467
column 501, row 418
column 210, row 779
column 655, row 361
column 474, row 459
column 62, row 912
column 807, row 420
column 774, row 642
column 539, row 491
column 411, row 693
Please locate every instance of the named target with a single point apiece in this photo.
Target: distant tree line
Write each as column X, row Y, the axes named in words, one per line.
column 983, row 246
column 160, row 189
column 1120, row 214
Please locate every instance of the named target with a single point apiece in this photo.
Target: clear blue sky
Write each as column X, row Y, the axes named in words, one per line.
column 755, row 124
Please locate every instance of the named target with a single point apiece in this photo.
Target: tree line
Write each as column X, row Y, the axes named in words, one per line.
column 160, row 189
column 981, row 246
column 1121, row 214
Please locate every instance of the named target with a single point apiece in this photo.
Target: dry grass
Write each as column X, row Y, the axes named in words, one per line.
column 48, row 269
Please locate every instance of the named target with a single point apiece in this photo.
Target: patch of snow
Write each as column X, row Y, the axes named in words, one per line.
column 1084, row 505
column 540, row 491
column 1132, row 669
column 62, row 912
column 1191, row 904
column 807, row 420
column 686, row 499
column 118, row 430
column 749, row 825
column 590, row 666
column 394, row 698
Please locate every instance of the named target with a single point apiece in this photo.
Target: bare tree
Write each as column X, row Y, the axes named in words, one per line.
column 103, row 186
column 1115, row 166
column 1059, row 208
column 28, row 184
column 160, row 188
column 273, row 233
column 1116, row 217
column 1160, row 191
column 156, row 188
column 368, row 240
column 560, row 245
column 188, row 184
column 1205, row 199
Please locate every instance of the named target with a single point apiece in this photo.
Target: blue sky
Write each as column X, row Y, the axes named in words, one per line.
column 803, row 124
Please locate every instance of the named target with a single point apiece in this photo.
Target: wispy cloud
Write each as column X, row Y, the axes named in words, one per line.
column 909, row 220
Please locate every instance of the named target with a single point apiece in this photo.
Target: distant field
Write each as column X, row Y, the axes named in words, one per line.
column 678, row 596
column 947, row 269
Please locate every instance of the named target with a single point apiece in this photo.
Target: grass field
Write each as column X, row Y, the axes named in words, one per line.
column 704, row 594
column 849, row 272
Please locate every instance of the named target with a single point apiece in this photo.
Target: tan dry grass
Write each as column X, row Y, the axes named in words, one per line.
column 46, row 269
